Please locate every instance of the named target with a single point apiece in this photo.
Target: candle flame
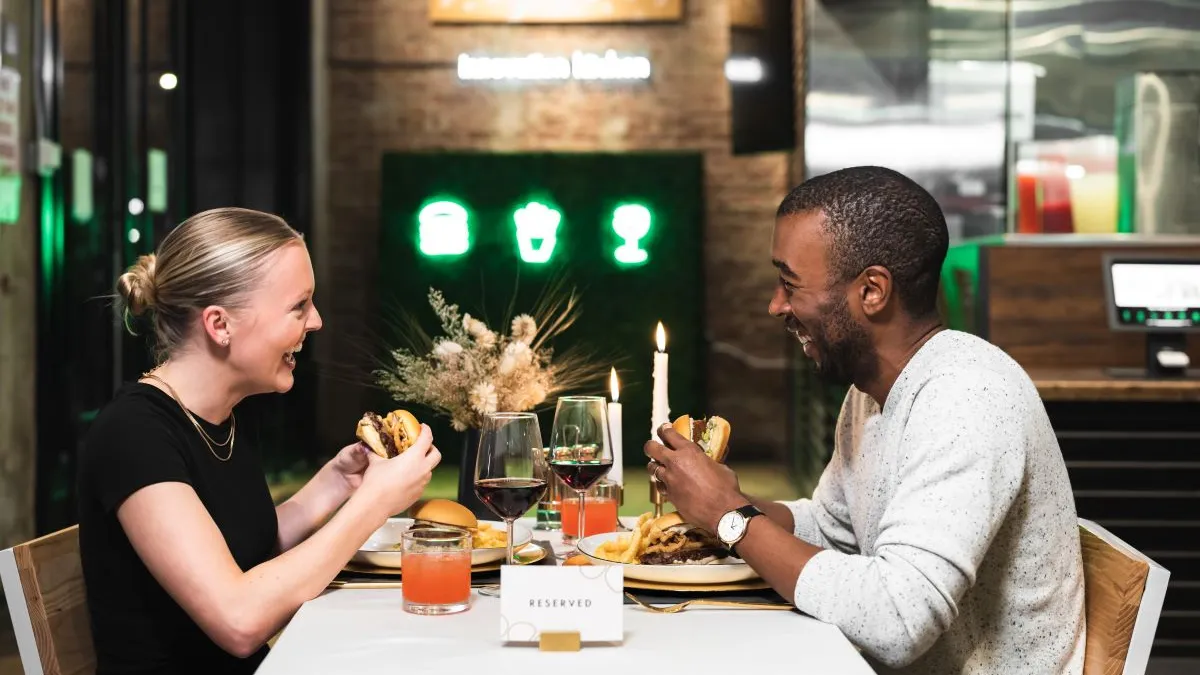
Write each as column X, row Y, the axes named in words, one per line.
column 614, row 386
column 661, row 337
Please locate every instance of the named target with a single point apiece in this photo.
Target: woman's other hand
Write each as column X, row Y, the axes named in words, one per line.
column 349, row 464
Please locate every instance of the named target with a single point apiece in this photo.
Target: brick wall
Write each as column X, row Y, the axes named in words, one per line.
column 392, row 87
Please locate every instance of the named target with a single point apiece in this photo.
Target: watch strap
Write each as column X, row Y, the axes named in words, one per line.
column 750, row 510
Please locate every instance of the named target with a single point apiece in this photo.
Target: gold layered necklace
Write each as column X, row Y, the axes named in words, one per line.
column 208, row 440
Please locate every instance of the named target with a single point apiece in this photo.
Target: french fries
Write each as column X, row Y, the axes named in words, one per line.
column 626, row 549
column 485, row 536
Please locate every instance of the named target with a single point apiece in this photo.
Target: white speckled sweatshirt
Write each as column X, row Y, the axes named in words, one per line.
column 950, row 528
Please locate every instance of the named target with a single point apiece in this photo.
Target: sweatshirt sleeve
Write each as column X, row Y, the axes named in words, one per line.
column 963, row 462
column 824, row 519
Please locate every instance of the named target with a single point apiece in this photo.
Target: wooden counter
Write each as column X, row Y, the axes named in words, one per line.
column 1092, row 384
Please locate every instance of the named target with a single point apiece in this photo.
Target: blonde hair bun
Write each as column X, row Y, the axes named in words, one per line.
column 136, row 285
column 214, row 258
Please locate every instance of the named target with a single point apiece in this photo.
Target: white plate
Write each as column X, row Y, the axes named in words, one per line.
column 728, row 571
column 382, row 548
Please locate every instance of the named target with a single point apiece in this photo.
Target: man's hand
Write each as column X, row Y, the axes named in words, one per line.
column 701, row 489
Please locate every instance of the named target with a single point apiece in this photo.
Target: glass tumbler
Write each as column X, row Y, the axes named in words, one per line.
column 436, row 570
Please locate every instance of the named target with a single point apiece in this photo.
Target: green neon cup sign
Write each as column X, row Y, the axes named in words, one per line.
column 537, row 231
column 444, row 228
column 631, row 222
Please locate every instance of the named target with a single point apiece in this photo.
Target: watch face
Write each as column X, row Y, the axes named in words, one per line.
column 731, row 527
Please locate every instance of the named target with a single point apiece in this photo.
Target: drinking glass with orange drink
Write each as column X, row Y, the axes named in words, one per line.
column 436, row 570
column 600, row 511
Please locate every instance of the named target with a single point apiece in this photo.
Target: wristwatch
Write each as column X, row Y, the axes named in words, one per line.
column 732, row 526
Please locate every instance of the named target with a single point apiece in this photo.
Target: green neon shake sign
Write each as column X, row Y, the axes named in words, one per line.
column 537, row 231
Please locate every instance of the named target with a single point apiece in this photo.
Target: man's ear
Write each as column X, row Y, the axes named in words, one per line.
column 876, row 291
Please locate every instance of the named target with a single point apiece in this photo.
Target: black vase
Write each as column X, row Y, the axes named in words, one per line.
column 466, row 477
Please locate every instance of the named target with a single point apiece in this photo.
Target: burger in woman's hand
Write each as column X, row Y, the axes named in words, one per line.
column 391, row 435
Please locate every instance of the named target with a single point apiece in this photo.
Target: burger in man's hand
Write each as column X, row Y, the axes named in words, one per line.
column 711, row 434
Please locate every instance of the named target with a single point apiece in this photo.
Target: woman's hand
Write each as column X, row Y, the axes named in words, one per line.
column 349, row 465
column 396, row 483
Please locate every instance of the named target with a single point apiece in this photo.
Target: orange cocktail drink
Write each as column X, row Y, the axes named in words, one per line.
column 599, row 516
column 436, row 570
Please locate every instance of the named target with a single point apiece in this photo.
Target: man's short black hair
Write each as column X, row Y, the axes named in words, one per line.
column 876, row 216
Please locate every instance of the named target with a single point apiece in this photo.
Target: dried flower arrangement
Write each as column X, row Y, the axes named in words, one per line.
column 471, row 370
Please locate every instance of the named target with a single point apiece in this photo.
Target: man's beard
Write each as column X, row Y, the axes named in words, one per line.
column 845, row 354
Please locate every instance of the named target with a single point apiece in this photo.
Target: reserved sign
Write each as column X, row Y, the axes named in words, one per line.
column 587, row 599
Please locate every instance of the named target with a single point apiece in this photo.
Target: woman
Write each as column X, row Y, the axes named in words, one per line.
column 189, row 565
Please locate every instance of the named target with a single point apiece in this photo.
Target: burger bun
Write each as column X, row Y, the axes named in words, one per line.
column 444, row 513
column 718, row 430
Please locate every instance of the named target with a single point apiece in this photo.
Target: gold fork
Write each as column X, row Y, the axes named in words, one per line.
column 679, row 607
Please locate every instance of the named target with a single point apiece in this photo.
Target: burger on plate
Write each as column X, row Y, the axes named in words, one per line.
column 444, row 513
column 391, row 435
column 671, row 541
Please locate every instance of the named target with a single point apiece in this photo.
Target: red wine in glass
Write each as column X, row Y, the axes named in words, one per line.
column 581, row 475
column 508, row 468
column 510, row 498
column 580, row 446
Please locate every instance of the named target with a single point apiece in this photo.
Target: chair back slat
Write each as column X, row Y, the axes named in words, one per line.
column 51, row 578
column 1114, row 582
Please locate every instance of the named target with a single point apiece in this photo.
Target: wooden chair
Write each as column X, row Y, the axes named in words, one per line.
column 43, row 582
column 1124, row 593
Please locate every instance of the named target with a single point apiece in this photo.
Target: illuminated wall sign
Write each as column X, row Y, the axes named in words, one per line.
column 537, row 231
column 555, row 11
column 539, row 67
column 443, row 229
column 744, row 69
column 631, row 222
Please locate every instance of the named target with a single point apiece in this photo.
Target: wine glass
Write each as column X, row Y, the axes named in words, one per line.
column 580, row 446
column 508, row 470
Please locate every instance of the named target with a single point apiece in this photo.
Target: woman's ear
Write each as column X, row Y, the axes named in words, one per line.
column 216, row 324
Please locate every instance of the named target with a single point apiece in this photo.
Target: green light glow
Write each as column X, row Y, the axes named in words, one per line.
column 10, row 198
column 83, row 206
column 156, row 174
column 444, row 228
column 631, row 222
column 537, row 231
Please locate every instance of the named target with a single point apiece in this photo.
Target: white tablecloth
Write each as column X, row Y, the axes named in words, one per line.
column 364, row 632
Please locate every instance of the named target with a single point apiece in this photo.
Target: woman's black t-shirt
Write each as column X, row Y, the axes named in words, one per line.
column 142, row 437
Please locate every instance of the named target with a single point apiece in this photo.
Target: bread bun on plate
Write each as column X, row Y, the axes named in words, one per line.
column 444, row 513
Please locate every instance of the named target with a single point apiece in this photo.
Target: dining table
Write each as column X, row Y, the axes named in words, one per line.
column 364, row 631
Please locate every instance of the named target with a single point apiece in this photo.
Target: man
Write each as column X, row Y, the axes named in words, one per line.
column 942, row 536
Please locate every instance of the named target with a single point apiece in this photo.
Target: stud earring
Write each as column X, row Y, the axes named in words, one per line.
column 225, row 342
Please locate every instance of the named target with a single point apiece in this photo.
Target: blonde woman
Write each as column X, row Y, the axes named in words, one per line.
column 189, row 565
